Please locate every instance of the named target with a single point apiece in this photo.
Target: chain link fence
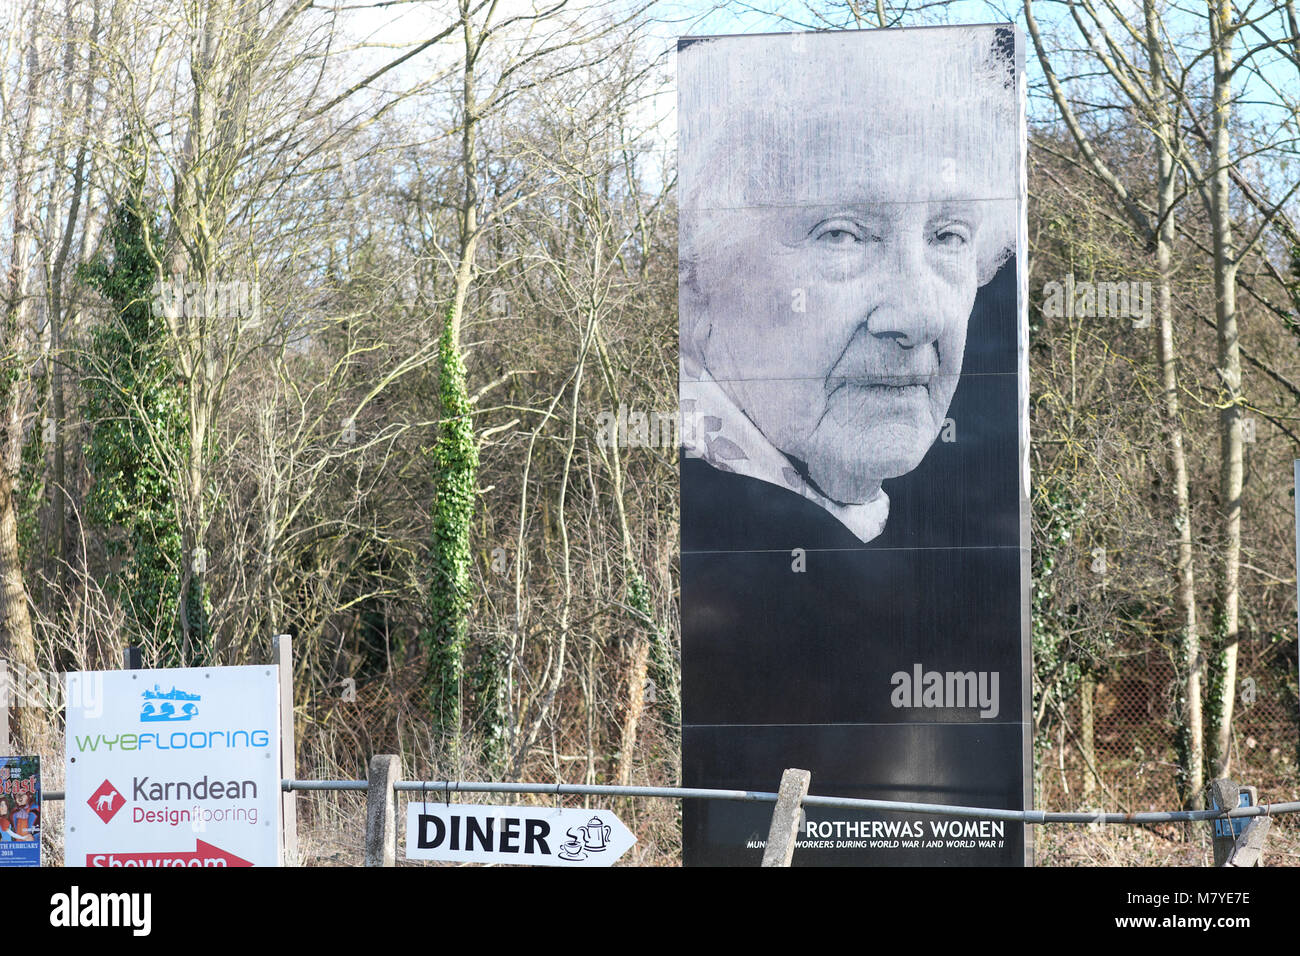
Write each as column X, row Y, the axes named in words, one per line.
column 1116, row 743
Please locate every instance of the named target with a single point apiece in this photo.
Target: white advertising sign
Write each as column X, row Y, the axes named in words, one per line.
column 175, row 767
column 467, row 833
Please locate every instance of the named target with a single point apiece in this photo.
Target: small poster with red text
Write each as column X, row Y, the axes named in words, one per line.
column 20, row 811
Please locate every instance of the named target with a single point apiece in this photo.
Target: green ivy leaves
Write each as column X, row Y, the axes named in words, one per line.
column 455, row 466
column 138, row 419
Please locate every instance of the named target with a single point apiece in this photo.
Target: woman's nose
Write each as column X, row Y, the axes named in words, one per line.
column 904, row 306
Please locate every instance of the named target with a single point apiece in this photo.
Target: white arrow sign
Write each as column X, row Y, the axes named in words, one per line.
column 468, row 833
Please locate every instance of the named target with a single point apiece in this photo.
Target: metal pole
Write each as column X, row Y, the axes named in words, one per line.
column 450, row 787
column 441, row 787
column 282, row 651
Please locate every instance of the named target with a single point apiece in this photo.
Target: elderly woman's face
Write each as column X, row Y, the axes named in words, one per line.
column 838, row 326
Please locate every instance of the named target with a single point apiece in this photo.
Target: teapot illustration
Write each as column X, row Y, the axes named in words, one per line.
column 595, row 835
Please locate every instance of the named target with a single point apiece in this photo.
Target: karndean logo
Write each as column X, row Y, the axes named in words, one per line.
column 106, row 801
column 74, row 908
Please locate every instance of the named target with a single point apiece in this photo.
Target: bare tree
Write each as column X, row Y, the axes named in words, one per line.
column 21, row 104
column 1145, row 88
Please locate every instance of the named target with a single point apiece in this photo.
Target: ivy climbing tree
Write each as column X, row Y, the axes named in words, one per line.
column 136, row 410
column 662, row 670
column 455, row 482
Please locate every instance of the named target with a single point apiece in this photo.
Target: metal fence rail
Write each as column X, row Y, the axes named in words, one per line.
column 445, row 788
column 1232, row 847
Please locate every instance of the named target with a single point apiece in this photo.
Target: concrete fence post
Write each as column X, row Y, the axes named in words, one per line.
column 1223, row 796
column 1249, row 848
column 381, row 810
column 1243, row 844
column 784, row 831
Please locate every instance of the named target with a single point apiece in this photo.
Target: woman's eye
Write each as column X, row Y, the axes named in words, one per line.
column 839, row 233
column 952, row 236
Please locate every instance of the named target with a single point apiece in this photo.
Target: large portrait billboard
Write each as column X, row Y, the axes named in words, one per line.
column 854, row 471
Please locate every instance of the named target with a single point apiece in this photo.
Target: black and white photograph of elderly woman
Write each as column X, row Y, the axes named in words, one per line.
column 853, row 459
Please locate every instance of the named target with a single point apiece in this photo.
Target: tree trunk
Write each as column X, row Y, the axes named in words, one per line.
column 456, row 459
column 636, row 676
column 1229, row 357
column 17, row 639
column 1190, row 666
column 636, row 593
column 1088, row 736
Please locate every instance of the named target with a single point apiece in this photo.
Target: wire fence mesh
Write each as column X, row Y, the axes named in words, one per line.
column 1124, row 752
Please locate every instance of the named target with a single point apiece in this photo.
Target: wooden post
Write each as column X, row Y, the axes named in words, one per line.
column 282, row 650
column 132, row 659
column 1249, row 848
column 1223, row 793
column 1227, row 795
column 784, row 831
column 381, row 810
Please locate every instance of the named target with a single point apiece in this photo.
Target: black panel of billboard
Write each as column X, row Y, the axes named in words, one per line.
column 854, row 461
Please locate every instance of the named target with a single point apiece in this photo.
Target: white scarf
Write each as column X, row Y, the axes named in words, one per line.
column 715, row 430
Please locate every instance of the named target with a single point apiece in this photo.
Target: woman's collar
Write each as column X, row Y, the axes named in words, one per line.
column 716, row 431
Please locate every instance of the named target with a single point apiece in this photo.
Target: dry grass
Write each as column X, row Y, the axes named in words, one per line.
column 1163, row 845
column 1171, row 844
